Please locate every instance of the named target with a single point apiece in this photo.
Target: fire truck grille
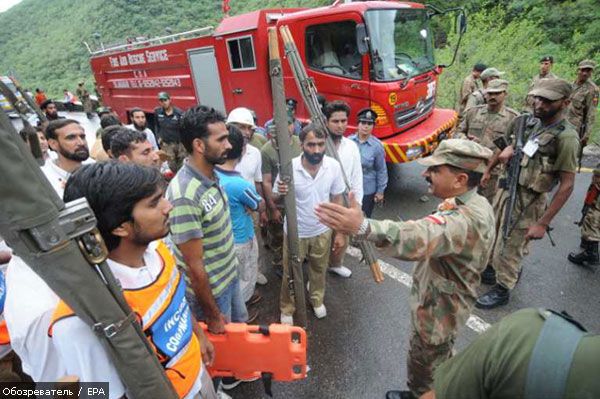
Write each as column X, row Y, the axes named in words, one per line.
column 408, row 115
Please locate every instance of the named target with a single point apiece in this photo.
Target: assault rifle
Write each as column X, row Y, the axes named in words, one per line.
column 590, row 199
column 295, row 274
column 307, row 88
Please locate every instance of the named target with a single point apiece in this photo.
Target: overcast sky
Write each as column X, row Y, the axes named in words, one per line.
column 6, row 4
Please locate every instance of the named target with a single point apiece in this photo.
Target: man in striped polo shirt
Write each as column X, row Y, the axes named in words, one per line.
column 201, row 224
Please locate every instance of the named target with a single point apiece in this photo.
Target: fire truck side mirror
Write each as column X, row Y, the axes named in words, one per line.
column 461, row 24
column 362, row 39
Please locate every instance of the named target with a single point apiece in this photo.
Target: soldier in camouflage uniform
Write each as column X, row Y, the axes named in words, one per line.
column 470, row 84
column 590, row 226
column 451, row 247
column 584, row 101
column 550, row 147
column 84, row 96
column 486, row 123
column 546, row 63
column 478, row 96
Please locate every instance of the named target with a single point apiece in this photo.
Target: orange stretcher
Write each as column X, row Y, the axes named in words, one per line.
column 248, row 351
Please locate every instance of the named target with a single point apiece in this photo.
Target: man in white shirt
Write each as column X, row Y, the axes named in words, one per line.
column 317, row 178
column 132, row 213
column 139, row 123
column 66, row 138
column 337, row 113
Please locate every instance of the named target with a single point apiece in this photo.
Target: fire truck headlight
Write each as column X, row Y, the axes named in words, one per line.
column 414, row 152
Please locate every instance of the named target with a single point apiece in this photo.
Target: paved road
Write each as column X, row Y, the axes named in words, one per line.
column 359, row 350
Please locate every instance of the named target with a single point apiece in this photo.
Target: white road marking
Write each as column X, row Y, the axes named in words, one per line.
column 475, row 323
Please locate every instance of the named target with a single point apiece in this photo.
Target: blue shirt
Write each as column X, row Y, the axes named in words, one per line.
column 297, row 126
column 372, row 158
column 242, row 195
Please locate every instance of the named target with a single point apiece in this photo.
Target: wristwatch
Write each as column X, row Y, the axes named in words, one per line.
column 363, row 228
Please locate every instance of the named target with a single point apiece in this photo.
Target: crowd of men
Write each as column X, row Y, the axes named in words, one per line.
column 195, row 202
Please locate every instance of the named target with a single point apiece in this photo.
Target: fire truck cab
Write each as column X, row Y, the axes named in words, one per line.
column 376, row 54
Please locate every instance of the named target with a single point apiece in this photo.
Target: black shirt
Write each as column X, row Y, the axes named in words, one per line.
column 167, row 126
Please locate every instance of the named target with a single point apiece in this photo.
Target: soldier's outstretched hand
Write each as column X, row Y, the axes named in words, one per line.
column 339, row 218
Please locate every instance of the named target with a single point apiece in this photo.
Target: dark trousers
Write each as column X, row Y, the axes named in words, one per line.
column 368, row 203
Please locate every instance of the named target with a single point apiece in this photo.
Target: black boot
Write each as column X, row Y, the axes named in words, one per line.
column 399, row 395
column 588, row 256
column 495, row 297
column 488, row 276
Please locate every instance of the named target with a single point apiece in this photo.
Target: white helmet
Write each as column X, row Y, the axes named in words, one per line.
column 241, row 115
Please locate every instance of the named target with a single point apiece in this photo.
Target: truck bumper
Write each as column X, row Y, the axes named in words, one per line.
column 422, row 139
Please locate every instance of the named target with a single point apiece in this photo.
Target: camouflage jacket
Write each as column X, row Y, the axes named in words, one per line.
column 476, row 98
column 584, row 100
column 484, row 127
column 452, row 247
column 469, row 86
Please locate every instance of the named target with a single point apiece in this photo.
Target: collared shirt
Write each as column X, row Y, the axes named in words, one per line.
column 584, row 103
column 201, row 211
column 372, row 159
column 311, row 191
column 250, row 166
column 350, row 160
column 167, row 126
column 149, row 135
column 57, row 176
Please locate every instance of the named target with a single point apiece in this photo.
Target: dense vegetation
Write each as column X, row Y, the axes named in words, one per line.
column 41, row 41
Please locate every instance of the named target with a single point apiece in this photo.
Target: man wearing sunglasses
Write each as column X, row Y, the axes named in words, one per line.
column 372, row 158
column 166, row 127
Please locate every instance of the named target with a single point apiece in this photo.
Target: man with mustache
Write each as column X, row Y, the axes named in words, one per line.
column 66, row 138
column 317, row 178
column 486, row 123
column 450, row 246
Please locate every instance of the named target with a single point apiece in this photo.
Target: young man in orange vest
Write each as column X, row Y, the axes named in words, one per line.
column 132, row 212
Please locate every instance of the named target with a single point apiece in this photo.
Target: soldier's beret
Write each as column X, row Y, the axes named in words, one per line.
column 464, row 154
column 490, row 73
column 367, row 115
column 497, row 86
column 547, row 58
column 552, row 89
column 163, row 95
column 587, row 64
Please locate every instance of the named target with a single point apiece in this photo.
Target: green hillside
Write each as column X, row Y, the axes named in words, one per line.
column 41, row 41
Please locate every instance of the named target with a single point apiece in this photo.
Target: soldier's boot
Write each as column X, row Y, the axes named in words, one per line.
column 488, row 276
column 497, row 296
column 399, row 395
column 588, row 256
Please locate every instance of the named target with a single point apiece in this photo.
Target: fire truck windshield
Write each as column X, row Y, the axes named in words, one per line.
column 401, row 43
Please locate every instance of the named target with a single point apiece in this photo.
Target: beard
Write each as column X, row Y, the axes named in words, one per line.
column 314, row 158
column 79, row 155
column 214, row 160
column 141, row 236
column 140, row 127
column 545, row 115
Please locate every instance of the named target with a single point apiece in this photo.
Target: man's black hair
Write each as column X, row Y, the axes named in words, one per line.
column 319, row 133
column 473, row 177
column 335, row 106
column 112, row 190
column 108, row 134
column 236, row 139
column 45, row 104
column 134, row 110
column 121, row 142
column 194, row 124
column 479, row 67
column 53, row 126
column 109, row 120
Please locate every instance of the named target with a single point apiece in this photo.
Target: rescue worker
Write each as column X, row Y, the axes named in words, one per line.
column 590, row 226
column 486, row 123
column 84, row 96
column 242, row 119
column 584, row 101
column 451, row 247
column 546, row 64
column 478, row 96
column 166, row 128
column 470, row 84
column 550, row 147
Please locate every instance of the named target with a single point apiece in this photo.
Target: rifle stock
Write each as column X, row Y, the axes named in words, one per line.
column 307, row 89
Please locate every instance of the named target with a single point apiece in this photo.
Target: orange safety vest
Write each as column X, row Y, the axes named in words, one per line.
column 4, row 337
column 166, row 319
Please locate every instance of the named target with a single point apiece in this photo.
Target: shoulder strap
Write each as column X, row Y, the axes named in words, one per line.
column 551, row 358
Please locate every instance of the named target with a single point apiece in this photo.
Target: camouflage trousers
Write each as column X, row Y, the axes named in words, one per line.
column 423, row 359
column 175, row 152
column 507, row 255
column 590, row 229
column 275, row 240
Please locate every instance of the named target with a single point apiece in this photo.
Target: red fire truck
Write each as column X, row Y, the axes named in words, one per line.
column 376, row 54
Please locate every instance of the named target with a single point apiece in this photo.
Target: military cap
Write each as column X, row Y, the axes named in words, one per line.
column 497, row 86
column 367, row 115
column 291, row 103
column 163, row 95
column 490, row 73
column 552, row 89
column 587, row 64
column 548, row 58
column 463, row 154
